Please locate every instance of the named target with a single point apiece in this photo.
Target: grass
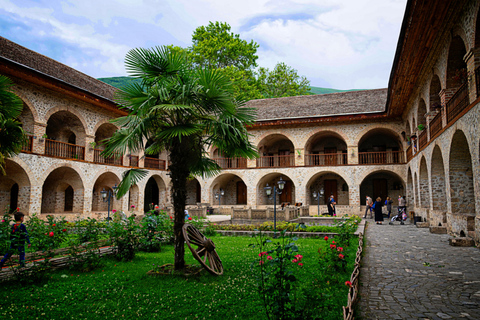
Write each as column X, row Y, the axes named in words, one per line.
column 123, row 290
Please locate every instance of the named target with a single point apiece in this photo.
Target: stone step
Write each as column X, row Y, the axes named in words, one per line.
column 438, row 230
column 461, row 242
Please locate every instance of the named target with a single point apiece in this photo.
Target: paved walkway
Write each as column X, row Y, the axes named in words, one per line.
column 409, row 273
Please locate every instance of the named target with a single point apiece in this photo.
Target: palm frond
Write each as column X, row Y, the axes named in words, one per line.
column 10, row 105
column 205, row 167
column 130, row 178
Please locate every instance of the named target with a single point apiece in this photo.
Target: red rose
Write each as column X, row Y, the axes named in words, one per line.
column 50, row 234
column 64, row 230
column 341, row 256
column 54, row 224
column 18, row 209
column 189, row 218
column 326, row 238
column 171, row 217
column 348, row 284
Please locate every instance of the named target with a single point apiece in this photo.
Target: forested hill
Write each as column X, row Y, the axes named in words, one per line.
column 119, row 82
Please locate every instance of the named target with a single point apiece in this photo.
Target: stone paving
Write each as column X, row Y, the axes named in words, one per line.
column 409, row 273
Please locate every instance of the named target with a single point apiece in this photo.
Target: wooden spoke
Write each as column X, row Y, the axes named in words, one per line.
column 205, row 253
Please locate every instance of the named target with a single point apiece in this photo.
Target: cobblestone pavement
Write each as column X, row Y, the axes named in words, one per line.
column 409, row 273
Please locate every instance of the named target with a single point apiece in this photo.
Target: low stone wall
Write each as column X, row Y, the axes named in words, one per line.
column 438, row 218
column 461, row 224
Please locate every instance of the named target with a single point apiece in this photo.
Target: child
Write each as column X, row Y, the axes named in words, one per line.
column 18, row 236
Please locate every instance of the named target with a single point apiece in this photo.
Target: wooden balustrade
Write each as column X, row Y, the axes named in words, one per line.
column 27, row 145
column 133, row 161
column 154, row 163
column 276, row 161
column 435, row 125
column 457, row 103
column 383, row 157
column 327, row 159
column 64, row 150
column 115, row 159
column 409, row 153
column 422, row 139
column 231, row 163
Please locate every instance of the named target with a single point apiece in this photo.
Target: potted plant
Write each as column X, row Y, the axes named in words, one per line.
column 43, row 137
column 421, row 127
column 299, row 153
column 92, row 144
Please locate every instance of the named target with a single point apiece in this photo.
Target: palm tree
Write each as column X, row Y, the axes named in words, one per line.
column 12, row 136
column 184, row 111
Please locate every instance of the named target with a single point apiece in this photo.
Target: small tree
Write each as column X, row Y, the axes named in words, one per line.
column 182, row 110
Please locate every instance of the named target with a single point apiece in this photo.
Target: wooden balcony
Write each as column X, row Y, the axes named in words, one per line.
column 276, row 161
column 436, row 125
column 27, row 146
column 383, row 157
column 231, row 163
column 409, row 153
column 332, row 159
column 64, row 150
column 132, row 161
column 154, row 163
column 457, row 103
column 422, row 139
column 116, row 159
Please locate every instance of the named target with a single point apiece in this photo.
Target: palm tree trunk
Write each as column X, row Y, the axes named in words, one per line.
column 179, row 173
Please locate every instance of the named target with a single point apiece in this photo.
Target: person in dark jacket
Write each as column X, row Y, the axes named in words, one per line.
column 378, row 211
column 388, row 203
column 17, row 237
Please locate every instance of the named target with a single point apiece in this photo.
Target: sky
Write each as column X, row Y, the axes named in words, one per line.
column 341, row 44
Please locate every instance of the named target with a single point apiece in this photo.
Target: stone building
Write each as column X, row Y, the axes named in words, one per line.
column 419, row 137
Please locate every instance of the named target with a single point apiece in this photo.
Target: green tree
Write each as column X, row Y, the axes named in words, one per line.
column 184, row 111
column 217, row 47
column 282, row 81
column 12, row 135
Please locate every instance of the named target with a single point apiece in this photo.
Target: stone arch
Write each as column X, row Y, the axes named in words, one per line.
column 104, row 131
column 330, row 182
column 408, row 130
column 272, row 179
column 423, row 184
column 325, row 148
column 56, row 196
column 233, row 187
column 461, row 175
column 71, row 110
column 455, row 76
column 379, row 146
column 415, row 190
column 27, row 103
column 381, row 183
column 266, row 135
column 421, row 111
column 155, row 192
column 410, row 188
column 15, row 188
column 194, row 192
column 276, row 150
column 62, row 126
column 460, row 32
column 102, row 122
column 439, row 198
column 105, row 181
column 435, row 88
column 27, row 119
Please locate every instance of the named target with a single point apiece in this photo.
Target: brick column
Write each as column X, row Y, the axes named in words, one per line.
column 39, row 130
column 352, row 154
column 472, row 59
column 88, row 148
column 299, row 157
column 251, row 163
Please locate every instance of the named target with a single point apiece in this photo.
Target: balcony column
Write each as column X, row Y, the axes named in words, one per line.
column 445, row 95
column 251, row 163
column 39, row 129
column 299, row 157
column 352, row 154
column 35, row 199
column 354, row 195
column 472, row 59
column 89, row 149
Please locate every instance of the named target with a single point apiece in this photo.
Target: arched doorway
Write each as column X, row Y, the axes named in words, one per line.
column 155, row 192
column 410, row 192
column 14, row 188
column 63, row 192
column 275, row 150
column 105, row 181
column 65, row 136
column 194, row 192
column 381, row 184
column 439, row 199
column 228, row 189
column 332, row 184
column 287, row 195
column 424, row 192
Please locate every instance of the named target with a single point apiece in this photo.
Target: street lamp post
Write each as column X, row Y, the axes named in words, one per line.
column 219, row 195
column 317, row 195
column 107, row 196
column 268, row 191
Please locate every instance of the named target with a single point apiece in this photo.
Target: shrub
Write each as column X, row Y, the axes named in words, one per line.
column 126, row 238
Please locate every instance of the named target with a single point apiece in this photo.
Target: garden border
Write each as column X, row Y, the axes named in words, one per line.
column 353, row 291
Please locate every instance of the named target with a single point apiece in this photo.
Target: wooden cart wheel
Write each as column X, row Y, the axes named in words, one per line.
column 205, row 252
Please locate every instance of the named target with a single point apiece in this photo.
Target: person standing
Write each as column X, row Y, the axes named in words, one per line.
column 402, row 204
column 388, row 203
column 369, row 203
column 331, row 206
column 17, row 237
column 378, row 211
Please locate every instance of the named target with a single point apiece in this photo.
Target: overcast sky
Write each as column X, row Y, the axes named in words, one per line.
column 341, row 44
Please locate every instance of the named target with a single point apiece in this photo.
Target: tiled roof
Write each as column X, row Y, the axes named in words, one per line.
column 351, row 102
column 21, row 55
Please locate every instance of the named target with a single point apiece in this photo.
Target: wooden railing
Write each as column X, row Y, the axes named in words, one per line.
column 383, row 157
column 27, row 146
column 133, row 161
column 409, row 153
column 231, row 163
column 116, row 159
column 154, row 163
column 64, row 150
column 276, row 161
column 435, row 125
column 422, row 139
column 328, row 159
column 457, row 103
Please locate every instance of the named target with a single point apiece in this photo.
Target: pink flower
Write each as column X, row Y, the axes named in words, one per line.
column 263, row 253
column 300, row 264
column 348, row 284
column 299, row 257
column 50, row 234
column 114, row 210
column 294, row 260
column 132, row 206
column 261, row 262
column 332, row 246
column 340, row 249
column 326, row 238
column 333, row 241
column 3, row 220
column 341, row 256
column 189, row 218
column 269, row 258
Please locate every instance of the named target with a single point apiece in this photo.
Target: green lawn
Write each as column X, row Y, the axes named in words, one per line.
column 122, row 290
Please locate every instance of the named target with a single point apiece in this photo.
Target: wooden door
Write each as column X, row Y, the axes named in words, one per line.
column 380, row 189
column 330, row 187
column 198, row 192
column 330, row 157
column 241, row 193
column 286, row 195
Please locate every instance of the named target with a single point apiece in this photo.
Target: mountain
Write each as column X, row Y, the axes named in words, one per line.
column 119, row 82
